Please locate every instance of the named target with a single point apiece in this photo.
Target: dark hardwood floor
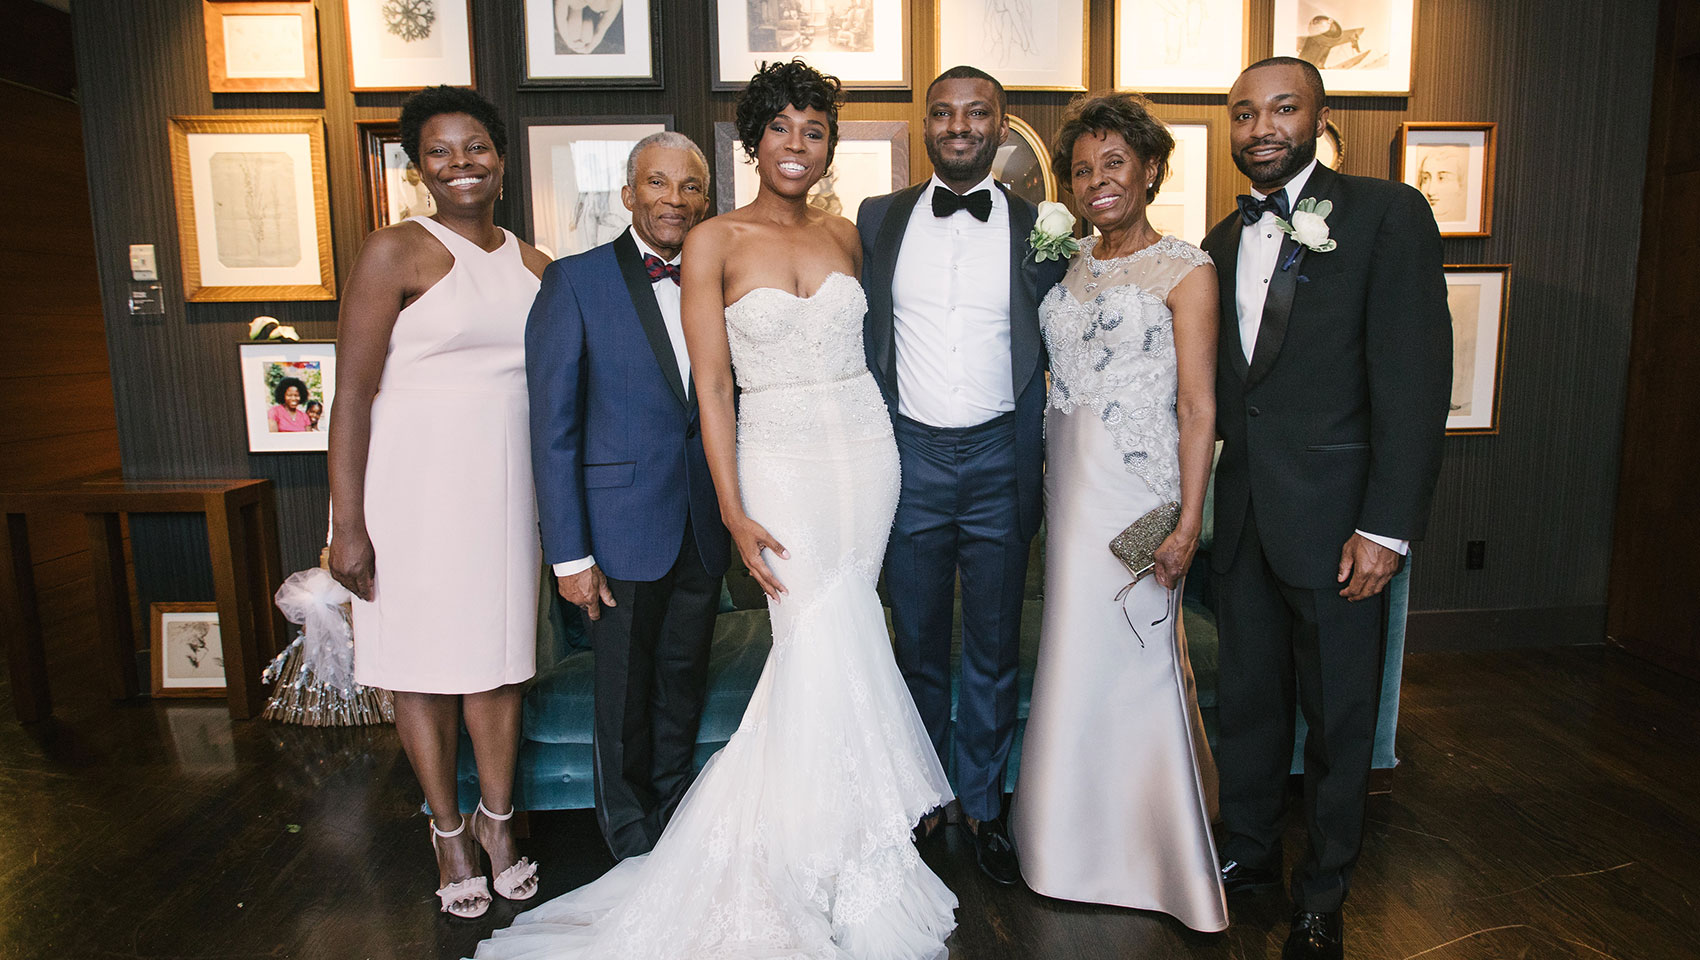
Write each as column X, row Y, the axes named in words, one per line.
column 1548, row 807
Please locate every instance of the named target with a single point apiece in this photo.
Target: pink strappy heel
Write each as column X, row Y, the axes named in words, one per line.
column 468, row 898
column 521, row 873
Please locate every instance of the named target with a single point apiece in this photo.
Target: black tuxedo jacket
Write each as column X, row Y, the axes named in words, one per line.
column 882, row 222
column 1337, row 422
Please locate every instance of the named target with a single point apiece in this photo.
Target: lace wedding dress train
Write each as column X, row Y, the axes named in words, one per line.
column 794, row 841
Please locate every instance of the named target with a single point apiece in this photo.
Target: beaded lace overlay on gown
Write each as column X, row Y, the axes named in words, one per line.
column 1111, row 337
column 794, row 840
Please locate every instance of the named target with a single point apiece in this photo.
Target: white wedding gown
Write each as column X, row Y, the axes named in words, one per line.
column 794, row 841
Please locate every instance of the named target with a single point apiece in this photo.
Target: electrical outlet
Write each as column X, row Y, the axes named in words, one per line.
column 1475, row 554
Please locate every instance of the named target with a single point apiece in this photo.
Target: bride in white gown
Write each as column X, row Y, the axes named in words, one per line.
column 794, row 842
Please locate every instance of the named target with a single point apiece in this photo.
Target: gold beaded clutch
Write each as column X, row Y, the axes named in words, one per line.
column 1136, row 547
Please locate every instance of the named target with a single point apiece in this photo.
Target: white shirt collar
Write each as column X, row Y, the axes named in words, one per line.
column 990, row 183
column 645, row 250
column 1294, row 186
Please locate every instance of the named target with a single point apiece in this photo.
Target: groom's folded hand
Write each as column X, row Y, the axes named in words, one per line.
column 1368, row 565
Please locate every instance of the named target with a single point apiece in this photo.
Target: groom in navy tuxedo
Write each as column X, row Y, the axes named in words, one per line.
column 628, row 513
column 953, row 339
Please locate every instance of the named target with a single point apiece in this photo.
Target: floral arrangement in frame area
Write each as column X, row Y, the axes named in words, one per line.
column 1026, row 44
column 593, row 43
column 864, row 43
column 253, row 208
column 1478, row 298
column 408, row 44
column 186, row 650
column 1361, row 47
column 288, row 390
column 872, row 159
column 394, row 189
column 1180, row 46
column 1452, row 164
column 261, row 46
column 574, row 170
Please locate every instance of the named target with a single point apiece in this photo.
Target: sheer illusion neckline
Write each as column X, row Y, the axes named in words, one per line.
column 1089, row 247
column 786, row 293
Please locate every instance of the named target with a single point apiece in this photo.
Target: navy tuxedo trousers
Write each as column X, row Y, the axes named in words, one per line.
column 958, row 515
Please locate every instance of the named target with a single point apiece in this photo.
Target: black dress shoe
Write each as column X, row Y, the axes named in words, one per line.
column 1315, row 936
column 928, row 828
column 994, row 852
column 1239, row 878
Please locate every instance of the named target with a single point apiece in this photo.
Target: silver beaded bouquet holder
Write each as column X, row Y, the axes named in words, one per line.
column 314, row 675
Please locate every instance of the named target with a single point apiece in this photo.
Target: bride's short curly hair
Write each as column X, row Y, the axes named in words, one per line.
column 787, row 84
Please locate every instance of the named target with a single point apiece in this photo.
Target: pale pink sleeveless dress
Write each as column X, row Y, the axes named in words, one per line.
column 450, row 505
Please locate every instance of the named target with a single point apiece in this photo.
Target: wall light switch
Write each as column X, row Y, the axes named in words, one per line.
column 142, row 266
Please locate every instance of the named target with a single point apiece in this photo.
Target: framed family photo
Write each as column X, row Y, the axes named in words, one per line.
column 573, row 175
column 1181, row 208
column 408, row 44
column 864, row 43
column 1362, row 47
column 1180, row 46
column 1477, row 297
column 269, row 46
column 1026, row 44
column 186, row 650
column 872, row 159
column 1023, row 163
column 288, row 388
column 253, row 208
column 592, row 43
column 393, row 187
column 1452, row 164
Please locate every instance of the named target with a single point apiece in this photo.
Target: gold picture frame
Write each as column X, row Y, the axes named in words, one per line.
column 186, row 651
column 261, row 46
column 1021, row 182
column 1460, row 186
column 253, row 208
column 1008, row 66
column 1477, row 295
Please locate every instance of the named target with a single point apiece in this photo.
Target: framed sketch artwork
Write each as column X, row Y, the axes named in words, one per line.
column 573, row 174
column 1362, row 47
column 1180, row 46
column 1181, row 208
column 1477, row 297
column 408, row 44
column 1023, row 163
column 253, row 208
column 1452, row 164
column 288, row 389
column 270, row 46
column 393, row 187
column 592, row 43
column 187, row 650
column 864, row 43
column 872, row 159
column 1026, row 44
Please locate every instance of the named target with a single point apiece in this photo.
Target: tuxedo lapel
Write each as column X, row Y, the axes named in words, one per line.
column 1283, row 286
column 639, row 286
column 1023, row 312
column 1226, row 254
column 880, row 274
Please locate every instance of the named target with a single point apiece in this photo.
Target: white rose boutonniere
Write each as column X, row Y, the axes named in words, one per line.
column 1053, row 233
column 1309, row 227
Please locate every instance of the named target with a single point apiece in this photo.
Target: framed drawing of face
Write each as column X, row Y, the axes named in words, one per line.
column 864, row 43
column 592, row 43
column 261, row 47
column 1023, row 163
column 872, row 158
column 1180, row 46
column 1477, row 297
column 408, row 44
column 1452, row 164
column 574, row 171
column 1026, row 44
column 1362, row 47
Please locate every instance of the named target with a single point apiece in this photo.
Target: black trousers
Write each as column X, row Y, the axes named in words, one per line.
column 651, row 653
column 1280, row 642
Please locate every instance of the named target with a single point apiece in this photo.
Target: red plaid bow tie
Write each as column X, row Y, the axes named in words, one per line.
column 659, row 268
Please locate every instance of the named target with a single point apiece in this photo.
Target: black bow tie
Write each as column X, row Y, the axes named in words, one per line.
column 1252, row 209
column 947, row 202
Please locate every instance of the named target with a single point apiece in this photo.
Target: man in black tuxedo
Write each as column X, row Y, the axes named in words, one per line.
column 1331, row 394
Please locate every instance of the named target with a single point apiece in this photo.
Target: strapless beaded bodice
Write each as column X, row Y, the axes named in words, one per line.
column 779, row 339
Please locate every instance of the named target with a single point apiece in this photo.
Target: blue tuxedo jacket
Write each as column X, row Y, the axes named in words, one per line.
column 614, row 440
column 882, row 222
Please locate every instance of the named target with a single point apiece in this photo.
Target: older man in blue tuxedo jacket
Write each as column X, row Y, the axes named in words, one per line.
column 627, row 506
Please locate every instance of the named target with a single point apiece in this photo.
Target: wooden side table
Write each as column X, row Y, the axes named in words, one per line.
column 241, row 536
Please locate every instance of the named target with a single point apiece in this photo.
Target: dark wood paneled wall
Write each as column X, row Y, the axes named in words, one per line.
column 1655, row 610
column 1567, row 80
column 57, row 420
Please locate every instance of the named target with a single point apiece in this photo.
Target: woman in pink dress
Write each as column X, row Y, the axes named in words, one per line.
column 288, row 415
column 435, row 518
